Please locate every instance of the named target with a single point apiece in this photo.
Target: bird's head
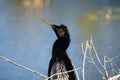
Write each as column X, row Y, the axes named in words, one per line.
column 60, row 31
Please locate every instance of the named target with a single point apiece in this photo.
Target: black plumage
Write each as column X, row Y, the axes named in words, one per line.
column 60, row 62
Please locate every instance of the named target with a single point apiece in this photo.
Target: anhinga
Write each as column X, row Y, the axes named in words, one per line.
column 60, row 62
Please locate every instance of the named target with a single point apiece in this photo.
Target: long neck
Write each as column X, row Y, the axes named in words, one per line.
column 60, row 46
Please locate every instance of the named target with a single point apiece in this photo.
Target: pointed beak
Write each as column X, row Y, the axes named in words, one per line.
column 46, row 22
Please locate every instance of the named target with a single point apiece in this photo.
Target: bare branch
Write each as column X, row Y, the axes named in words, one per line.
column 114, row 77
column 112, row 58
column 113, row 65
column 90, row 48
column 95, row 51
column 23, row 67
column 104, row 67
column 84, row 59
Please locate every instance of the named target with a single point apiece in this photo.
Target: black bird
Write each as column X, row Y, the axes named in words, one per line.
column 60, row 62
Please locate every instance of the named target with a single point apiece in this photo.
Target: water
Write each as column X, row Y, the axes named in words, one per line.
column 28, row 41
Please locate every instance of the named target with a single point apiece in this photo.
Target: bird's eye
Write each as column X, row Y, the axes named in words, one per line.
column 61, row 32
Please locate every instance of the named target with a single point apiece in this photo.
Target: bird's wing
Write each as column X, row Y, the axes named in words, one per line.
column 58, row 71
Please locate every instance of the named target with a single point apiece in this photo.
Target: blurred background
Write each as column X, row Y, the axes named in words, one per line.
column 28, row 41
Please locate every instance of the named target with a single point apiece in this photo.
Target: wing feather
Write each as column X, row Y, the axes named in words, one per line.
column 58, row 68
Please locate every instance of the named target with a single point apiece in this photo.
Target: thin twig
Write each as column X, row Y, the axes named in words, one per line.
column 105, row 68
column 114, row 77
column 96, row 54
column 113, row 71
column 84, row 59
column 112, row 58
column 23, row 67
column 113, row 65
column 93, row 61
